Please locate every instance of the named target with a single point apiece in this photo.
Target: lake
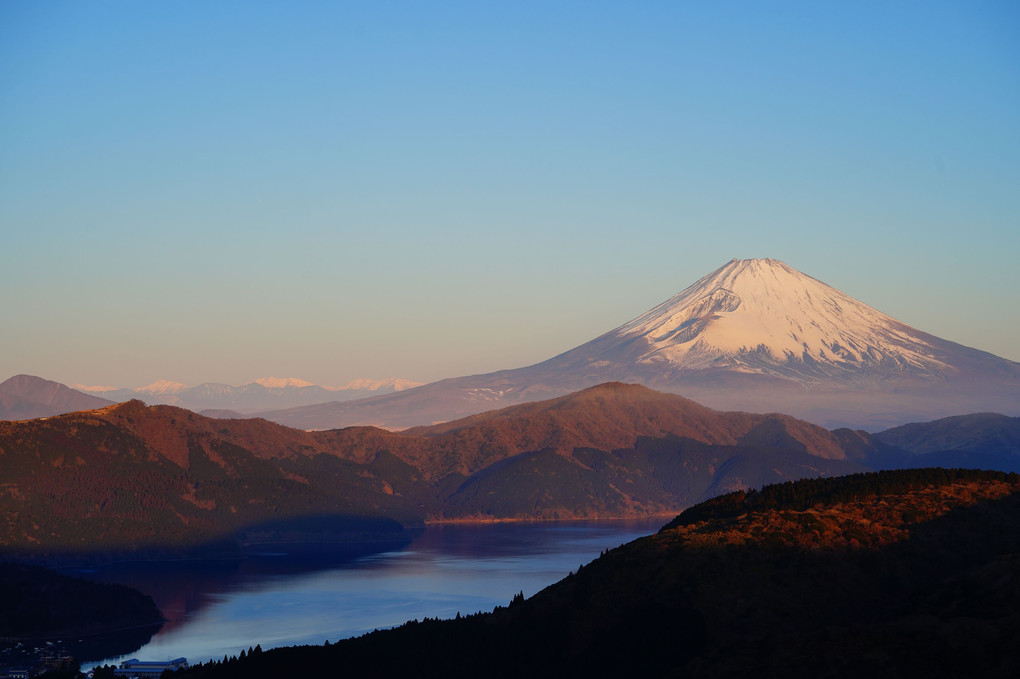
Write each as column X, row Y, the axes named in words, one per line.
column 217, row 608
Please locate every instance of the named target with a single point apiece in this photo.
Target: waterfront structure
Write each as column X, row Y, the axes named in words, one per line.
column 141, row 669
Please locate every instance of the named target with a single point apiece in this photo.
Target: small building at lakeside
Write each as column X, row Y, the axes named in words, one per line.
column 141, row 668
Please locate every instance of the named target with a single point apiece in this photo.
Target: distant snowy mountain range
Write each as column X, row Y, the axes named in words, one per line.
column 754, row 335
column 262, row 394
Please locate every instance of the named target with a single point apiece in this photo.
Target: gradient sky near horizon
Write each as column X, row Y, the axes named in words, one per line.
column 222, row 191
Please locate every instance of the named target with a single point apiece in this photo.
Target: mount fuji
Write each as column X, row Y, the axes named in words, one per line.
column 766, row 318
column 755, row 335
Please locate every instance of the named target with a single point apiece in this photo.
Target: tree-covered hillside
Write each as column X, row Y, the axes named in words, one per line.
column 133, row 480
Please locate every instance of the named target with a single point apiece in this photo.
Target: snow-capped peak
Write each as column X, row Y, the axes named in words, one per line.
column 99, row 389
column 282, row 382
column 761, row 315
column 162, row 387
column 367, row 384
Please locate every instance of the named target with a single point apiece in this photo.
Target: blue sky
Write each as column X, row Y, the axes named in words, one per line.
column 220, row 191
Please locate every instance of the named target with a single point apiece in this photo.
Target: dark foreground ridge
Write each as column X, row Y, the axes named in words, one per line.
column 912, row 573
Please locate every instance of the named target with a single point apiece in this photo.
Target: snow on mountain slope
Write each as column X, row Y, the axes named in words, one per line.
column 763, row 316
column 381, row 386
column 282, row 382
column 94, row 389
column 162, row 387
column 754, row 335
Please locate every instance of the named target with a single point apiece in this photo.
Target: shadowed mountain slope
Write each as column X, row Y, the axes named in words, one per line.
column 986, row 432
column 982, row 440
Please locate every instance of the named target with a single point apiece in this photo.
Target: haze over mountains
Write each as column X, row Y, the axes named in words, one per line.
column 24, row 397
column 260, row 394
column 753, row 335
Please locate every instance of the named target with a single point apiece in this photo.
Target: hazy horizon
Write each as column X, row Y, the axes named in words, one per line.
column 222, row 192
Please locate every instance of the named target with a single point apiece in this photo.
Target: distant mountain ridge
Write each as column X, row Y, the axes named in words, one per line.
column 24, row 397
column 753, row 335
column 979, row 440
column 988, row 432
column 260, row 394
column 134, row 477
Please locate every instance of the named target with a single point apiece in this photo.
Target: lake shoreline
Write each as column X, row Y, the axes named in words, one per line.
column 221, row 608
column 668, row 516
column 239, row 551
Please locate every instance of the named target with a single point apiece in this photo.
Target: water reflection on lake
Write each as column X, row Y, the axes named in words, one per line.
column 221, row 608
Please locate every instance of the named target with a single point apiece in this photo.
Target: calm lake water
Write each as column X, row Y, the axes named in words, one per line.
column 222, row 607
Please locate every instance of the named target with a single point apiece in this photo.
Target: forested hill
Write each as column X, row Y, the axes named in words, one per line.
column 130, row 478
column 85, row 619
column 39, row 603
column 899, row 574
